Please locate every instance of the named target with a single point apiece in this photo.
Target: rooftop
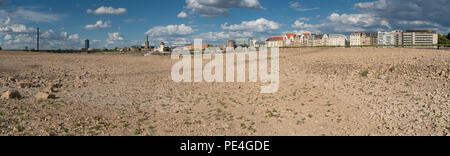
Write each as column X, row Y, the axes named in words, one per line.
column 424, row 31
column 275, row 39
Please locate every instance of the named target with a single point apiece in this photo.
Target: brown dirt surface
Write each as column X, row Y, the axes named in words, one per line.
column 323, row 91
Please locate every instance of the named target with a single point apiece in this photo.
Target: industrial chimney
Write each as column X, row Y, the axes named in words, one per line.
column 37, row 43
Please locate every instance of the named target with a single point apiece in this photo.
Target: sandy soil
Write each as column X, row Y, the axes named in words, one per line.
column 335, row 91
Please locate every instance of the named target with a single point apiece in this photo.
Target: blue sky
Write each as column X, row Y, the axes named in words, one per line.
column 115, row 23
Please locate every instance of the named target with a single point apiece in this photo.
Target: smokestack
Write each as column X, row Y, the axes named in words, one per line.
column 37, row 43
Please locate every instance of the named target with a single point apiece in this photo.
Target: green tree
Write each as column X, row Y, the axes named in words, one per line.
column 166, row 49
column 443, row 39
column 448, row 36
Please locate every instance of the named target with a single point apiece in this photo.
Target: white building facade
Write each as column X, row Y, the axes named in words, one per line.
column 355, row 39
column 420, row 37
column 386, row 38
column 336, row 40
column 275, row 42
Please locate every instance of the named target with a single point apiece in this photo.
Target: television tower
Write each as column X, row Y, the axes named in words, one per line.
column 37, row 43
column 147, row 43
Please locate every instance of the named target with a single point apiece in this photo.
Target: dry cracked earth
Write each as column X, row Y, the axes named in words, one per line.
column 323, row 91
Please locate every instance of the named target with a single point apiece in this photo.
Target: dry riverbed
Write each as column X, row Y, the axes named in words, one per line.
column 329, row 91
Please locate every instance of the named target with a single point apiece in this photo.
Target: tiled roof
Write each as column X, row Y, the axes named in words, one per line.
column 290, row 35
column 275, row 39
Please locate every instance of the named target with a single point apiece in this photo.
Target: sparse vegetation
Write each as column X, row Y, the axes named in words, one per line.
column 392, row 69
column 137, row 132
column 365, row 73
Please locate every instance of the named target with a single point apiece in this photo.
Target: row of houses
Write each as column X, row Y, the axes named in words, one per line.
column 409, row 37
column 306, row 39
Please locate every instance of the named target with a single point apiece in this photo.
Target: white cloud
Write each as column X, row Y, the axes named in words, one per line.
column 182, row 15
column 361, row 20
column 410, row 14
column 74, row 37
column 22, row 15
column 115, row 36
column 8, row 28
column 99, row 25
column 50, row 39
column 214, row 36
column 107, row 11
column 215, row 8
column 130, row 20
column 384, row 15
column 303, row 27
column 259, row 25
column 419, row 23
column 170, row 30
column 381, row 4
column 171, row 34
column 345, row 23
column 298, row 7
column 8, row 37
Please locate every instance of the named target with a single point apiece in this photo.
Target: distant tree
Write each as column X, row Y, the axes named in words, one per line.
column 443, row 39
column 167, row 49
column 448, row 36
column 0, row 48
column 245, row 45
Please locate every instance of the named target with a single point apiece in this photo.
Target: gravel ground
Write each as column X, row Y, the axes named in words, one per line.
column 323, row 91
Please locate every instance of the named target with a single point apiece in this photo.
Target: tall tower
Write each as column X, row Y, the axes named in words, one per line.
column 147, row 43
column 37, row 43
column 86, row 44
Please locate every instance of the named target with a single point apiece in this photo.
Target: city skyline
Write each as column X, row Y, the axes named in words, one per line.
column 66, row 25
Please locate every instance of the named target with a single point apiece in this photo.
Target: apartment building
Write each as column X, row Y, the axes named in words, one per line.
column 370, row 39
column 231, row 44
column 253, row 42
column 320, row 40
column 242, row 42
column 336, row 40
column 302, row 39
column 275, row 42
column 386, row 38
column 355, row 39
column 420, row 37
column 398, row 37
column 363, row 39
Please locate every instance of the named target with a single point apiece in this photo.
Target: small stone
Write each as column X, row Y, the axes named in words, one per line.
column 11, row 79
column 55, row 85
column 11, row 94
column 25, row 85
column 42, row 95
column 50, row 89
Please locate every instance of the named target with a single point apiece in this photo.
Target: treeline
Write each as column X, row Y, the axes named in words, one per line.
column 443, row 39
